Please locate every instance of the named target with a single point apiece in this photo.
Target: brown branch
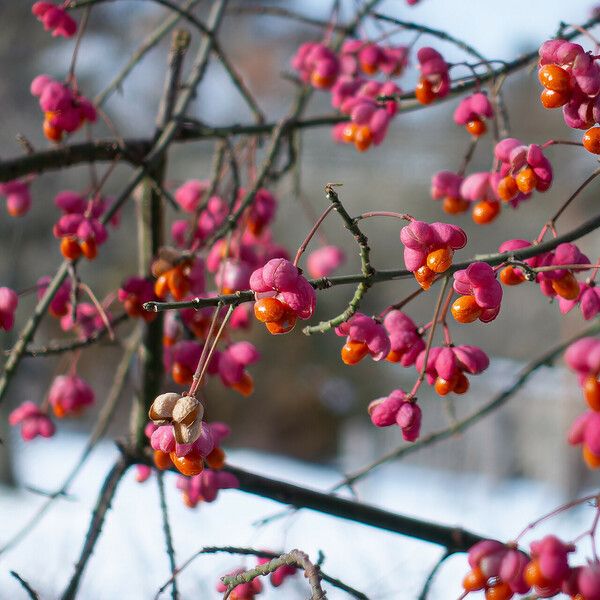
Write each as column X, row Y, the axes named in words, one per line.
column 455, row 539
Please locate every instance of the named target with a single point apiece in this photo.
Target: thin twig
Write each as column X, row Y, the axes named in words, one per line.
column 431, row 575
column 167, row 531
column 150, row 42
column 572, row 197
column 30, row 591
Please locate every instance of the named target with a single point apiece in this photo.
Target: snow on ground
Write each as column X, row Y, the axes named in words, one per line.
column 129, row 560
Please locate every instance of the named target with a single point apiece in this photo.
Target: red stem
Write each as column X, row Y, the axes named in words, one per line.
column 311, row 233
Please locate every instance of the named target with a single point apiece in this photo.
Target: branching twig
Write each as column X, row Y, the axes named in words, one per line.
column 366, row 269
column 295, row 558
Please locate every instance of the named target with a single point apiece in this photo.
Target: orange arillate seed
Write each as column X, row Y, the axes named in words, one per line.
column 59, row 411
column 161, row 286
column 474, row 580
column 533, row 575
column 52, row 133
column 394, row 356
column 554, row 78
column 245, row 386
column 283, row 325
column 591, row 460
column 591, row 392
column 566, row 287
column 440, row 260
column 526, row 180
column 320, row 81
column 424, row 276
column 465, row 309
column 255, row 227
column 168, row 341
column 133, row 308
column 485, row 212
column 511, row 276
column 507, row 188
column 59, row 313
column 69, row 248
column 181, row 374
column 216, row 458
column 268, row 309
column 462, row 384
column 354, row 352
column 162, row 460
column 349, row 132
column 15, row 211
column 363, row 138
column 89, row 249
column 500, row 591
column 552, row 99
column 454, row 206
column 187, row 500
column 189, row 465
column 444, row 386
column 424, row 91
column 369, row 68
column 591, row 140
column 476, row 127
column 179, row 284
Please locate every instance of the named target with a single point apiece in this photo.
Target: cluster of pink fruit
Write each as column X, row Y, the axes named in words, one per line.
column 503, row 570
column 521, row 170
column 346, row 75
